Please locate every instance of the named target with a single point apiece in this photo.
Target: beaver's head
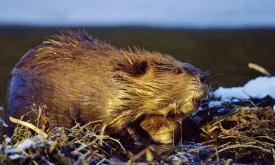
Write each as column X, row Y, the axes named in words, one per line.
column 158, row 84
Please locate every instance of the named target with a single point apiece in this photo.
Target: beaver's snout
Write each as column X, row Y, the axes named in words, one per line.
column 202, row 77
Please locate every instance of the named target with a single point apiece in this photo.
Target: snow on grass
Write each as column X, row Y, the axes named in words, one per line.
column 15, row 156
column 22, row 146
column 257, row 88
column 214, row 104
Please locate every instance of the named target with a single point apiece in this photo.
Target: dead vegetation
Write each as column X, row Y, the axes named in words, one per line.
column 246, row 134
column 241, row 132
column 77, row 145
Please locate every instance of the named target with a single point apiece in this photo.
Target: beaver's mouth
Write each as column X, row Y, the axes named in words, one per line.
column 186, row 106
column 199, row 94
column 192, row 104
column 196, row 101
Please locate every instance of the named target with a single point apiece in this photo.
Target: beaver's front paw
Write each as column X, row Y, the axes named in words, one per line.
column 140, row 136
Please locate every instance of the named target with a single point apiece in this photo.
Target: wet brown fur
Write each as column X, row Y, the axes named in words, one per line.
column 83, row 79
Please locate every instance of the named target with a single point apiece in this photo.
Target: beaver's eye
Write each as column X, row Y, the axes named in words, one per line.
column 142, row 67
column 178, row 71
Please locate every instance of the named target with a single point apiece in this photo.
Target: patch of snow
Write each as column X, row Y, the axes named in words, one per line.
column 235, row 100
column 257, row 88
column 15, row 156
column 2, row 122
column 212, row 104
column 274, row 108
column 26, row 144
column 1, row 108
column 7, row 140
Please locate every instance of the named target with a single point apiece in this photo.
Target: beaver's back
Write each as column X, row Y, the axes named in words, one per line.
column 69, row 78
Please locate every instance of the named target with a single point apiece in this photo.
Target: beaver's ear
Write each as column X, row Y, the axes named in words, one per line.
column 136, row 68
column 142, row 67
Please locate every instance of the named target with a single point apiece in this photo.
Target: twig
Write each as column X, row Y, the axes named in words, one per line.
column 266, row 137
column 29, row 125
column 101, row 134
column 34, row 162
column 91, row 122
column 38, row 117
column 209, row 141
column 118, row 142
column 84, row 146
column 259, row 68
column 52, row 147
column 143, row 152
column 104, row 159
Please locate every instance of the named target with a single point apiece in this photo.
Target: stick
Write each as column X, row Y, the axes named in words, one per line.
column 29, row 125
column 259, row 69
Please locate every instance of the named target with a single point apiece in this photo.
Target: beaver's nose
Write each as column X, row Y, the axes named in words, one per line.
column 204, row 78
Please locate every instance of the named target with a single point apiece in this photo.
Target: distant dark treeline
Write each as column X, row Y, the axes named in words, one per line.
column 223, row 52
column 22, row 30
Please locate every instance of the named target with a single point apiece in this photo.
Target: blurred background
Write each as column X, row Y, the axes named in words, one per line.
column 217, row 36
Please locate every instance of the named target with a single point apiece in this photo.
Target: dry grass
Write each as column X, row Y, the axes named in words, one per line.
column 243, row 135
column 77, row 145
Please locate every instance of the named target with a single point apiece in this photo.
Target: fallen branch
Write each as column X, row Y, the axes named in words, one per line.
column 29, row 125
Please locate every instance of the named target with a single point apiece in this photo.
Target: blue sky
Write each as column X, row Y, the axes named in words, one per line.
column 167, row 13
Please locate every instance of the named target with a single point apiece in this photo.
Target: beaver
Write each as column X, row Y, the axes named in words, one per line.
column 82, row 79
